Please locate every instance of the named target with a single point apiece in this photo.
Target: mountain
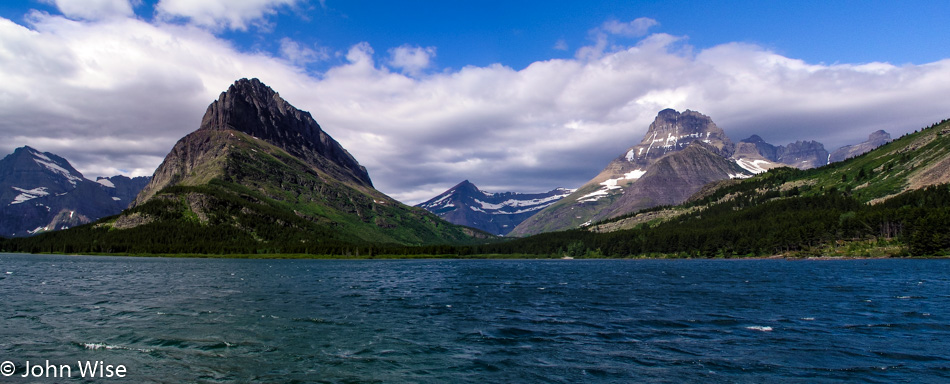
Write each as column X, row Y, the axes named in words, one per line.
column 679, row 153
column 757, row 156
column 891, row 201
column 251, row 108
column 803, row 154
column 259, row 176
column 876, row 139
column 496, row 213
column 673, row 131
column 41, row 192
column 122, row 188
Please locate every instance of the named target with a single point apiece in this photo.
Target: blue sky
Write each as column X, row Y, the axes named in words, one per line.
column 517, row 33
column 522, row 96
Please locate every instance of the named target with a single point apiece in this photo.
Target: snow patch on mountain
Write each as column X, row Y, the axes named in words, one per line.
column 105, row 182
column 38, row 230
column 754, row 166
column 514, row 203
column 28, row 194
column 55, row 168
column 610, row 184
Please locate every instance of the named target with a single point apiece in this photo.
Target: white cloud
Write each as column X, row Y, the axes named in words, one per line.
column 411, row 60
column 635, row 28
column 300, row 55
column 118, row 93
column 601, row 36
column 221, row 14
column 561, row 45
column 94, row 9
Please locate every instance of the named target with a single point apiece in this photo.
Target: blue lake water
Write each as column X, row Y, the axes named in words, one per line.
column 479, row 321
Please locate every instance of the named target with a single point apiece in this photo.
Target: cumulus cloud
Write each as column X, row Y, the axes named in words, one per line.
column 220, row 14
column 302, row 55
column 411, row 60
column 635, row 28
column 114, row 95
column 601, row 36
column 93, row 9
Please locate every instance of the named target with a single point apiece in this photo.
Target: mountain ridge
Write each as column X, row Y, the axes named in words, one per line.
column 496, row 213
column 41, row 192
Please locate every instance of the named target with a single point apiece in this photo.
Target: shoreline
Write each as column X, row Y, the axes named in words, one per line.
column 468, row 257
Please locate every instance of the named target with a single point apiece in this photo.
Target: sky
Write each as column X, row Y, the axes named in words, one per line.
column 521, row 96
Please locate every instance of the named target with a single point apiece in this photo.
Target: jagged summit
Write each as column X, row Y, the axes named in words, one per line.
column 251, row 107
column 673, row 131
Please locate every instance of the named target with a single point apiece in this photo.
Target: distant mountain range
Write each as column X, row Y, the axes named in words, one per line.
column 42, row 192
column 257, row 176
column 495, row 213
column 261, row 175
column 890, row 201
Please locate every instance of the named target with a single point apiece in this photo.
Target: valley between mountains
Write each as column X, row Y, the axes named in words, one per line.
column 261, row 177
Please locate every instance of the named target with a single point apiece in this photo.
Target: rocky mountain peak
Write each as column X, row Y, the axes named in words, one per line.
column 803, row 154
column 875, row 139
column 34, row 168
column 252, row 107
column 673, row 131
column 756, row 139
column 879, row 135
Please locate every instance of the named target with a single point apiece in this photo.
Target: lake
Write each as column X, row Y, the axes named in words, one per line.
column 477, row 321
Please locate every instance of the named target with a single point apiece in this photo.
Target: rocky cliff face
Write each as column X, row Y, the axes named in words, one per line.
column 264, row 172
column 803, row 154
column 876, row 139
column 673, row 131
column 495, row 213
column 41, row 192
column 680, row 152
column 674, row 178
column 757, row 156
column 250, row 107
